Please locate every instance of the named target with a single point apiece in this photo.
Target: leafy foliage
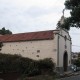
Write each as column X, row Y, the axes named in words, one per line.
column 1, row 45
column 18, row 64
column 66, row 24
column 3, row 31
column 77, row 62
column 74, row 19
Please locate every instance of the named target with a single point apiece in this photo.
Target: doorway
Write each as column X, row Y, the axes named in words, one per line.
column 65, row 61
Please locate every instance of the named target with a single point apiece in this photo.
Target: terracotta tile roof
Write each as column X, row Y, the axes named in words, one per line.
column 42, row 35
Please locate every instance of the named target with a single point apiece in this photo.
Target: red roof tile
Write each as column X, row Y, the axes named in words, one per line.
column 42, row 35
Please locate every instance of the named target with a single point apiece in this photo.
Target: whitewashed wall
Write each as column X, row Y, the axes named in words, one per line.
column 39, row 49
column 62, row 47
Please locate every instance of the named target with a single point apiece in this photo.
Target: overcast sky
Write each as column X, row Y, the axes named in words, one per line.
column 35, row 15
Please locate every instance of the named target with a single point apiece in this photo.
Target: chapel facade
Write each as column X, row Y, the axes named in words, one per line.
column 55, row 44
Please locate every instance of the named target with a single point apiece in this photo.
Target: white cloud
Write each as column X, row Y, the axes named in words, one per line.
column 75, row 35
column 28, row 3
column 18, row 13
column 33, row 15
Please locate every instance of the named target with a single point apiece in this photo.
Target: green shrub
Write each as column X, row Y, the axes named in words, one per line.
column 18, row 64
column 77, row 62
column 46, row 65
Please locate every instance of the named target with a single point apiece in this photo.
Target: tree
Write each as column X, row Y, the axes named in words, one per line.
column 1, row 45
column 3, row 31
column 74, row 19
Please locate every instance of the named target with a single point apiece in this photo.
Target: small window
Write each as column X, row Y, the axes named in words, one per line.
column 22, row 50
column 38, row 51
column 37, row 55
column 65, row 47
